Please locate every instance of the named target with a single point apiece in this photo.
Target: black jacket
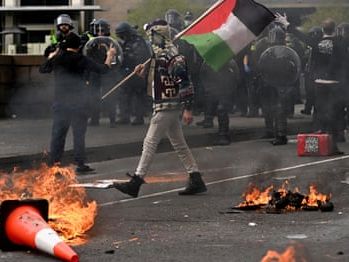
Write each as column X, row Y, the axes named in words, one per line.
column 70, row 69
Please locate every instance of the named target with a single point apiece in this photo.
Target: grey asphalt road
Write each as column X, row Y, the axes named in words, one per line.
column 162, row 226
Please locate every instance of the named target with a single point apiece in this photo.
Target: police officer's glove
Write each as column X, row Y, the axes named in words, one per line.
column 282, row 19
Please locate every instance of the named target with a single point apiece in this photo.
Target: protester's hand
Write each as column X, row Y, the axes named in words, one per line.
column 187, row 117
column 282, row 19
column 139, row 70
column 111, row 51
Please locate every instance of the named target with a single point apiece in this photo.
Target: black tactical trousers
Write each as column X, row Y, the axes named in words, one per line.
column 253, row 95
column 63, row 118
column 274, row 106
column 95, row 105
column 309, row 93
column 132, row 101
column 220, row 105
column 330, row 108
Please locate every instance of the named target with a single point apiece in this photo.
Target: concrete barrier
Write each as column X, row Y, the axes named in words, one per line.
column 23, row 90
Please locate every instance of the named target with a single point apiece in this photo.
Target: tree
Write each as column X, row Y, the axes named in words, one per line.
column 149, row 10
column 338, row 14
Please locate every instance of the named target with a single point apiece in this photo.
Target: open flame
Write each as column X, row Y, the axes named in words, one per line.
column 314, row 197
column 289, row 255
column 70, row 213
column 254, row 197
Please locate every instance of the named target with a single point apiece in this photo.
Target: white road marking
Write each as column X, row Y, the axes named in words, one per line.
column 284, row 169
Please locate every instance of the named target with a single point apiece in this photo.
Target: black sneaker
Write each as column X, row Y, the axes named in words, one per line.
column 84, row 169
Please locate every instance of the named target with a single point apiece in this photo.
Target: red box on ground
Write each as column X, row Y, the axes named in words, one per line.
column 314, row 145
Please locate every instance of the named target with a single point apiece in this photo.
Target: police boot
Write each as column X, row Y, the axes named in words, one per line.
column 223, row 137
column 279, row 140
column 195, row 185
column 131, row 187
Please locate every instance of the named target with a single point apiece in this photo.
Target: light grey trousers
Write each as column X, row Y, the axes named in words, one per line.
column 165, row 123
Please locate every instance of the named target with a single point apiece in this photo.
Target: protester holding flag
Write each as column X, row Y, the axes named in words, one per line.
column 219, row 34
column 172, row 92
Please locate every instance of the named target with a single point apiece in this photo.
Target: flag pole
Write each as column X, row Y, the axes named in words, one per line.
column 218, row 3
column 122, row 82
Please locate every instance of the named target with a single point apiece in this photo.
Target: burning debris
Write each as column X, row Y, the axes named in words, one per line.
column 284, row 199
column 70, row 213
column 293, row 253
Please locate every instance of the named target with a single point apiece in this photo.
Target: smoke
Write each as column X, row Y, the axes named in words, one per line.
column 31, row 92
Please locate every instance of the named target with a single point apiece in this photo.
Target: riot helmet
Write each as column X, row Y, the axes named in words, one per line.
column 101, row 27
column 64, row 19
column 174, row 19
column 329, row 26
column 124, row 30
column 315, row 33
column 276, row 36
column 342, row 30
column 188, row 18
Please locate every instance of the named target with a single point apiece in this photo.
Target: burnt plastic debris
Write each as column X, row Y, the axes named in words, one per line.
column 326, row 207
column 292, row 201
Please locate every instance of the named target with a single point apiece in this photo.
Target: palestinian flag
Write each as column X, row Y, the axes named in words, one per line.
column 226, row 28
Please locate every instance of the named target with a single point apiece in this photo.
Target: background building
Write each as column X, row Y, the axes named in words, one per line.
column 25, row 25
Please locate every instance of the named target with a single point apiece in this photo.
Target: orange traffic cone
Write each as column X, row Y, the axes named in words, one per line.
column 24, row 225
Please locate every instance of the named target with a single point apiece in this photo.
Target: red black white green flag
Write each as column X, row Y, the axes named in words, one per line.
column 228, row 27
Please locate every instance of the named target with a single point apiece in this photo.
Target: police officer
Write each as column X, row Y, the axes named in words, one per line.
column 174, row 19
column 342, row 31
column 133, row 93
column 328, row 65
column 71, row 98
column 99, row 84
column 64, row 26
column 188, row 18
column 275, row 96
column 219, row 87
column 316, row 34
column 88, row 35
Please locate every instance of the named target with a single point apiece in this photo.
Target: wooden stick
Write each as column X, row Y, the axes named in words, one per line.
column 122, row 82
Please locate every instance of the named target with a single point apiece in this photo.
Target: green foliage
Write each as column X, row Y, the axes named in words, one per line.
column 149, row 10
column 338, row 14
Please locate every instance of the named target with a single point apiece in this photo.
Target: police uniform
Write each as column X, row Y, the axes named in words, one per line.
column 279, row 67
column 132, row 95
column 219, row 88
column 70, row 100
